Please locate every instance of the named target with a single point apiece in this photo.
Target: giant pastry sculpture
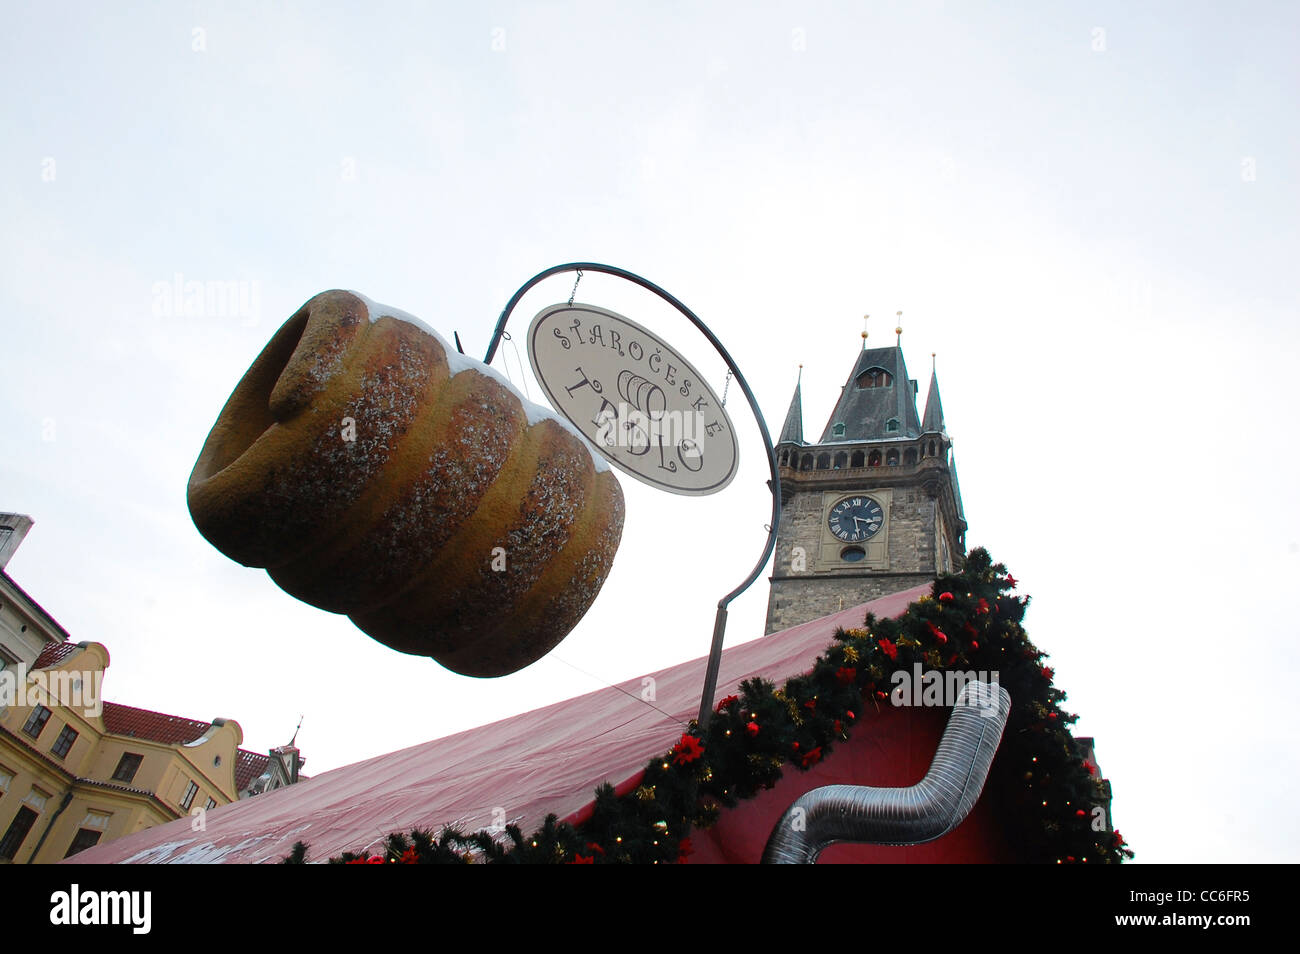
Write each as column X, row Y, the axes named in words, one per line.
column 374, row 471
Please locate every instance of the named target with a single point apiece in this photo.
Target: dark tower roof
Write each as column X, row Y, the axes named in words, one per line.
column 933, row 422
column 865, row 411
column 792, row 430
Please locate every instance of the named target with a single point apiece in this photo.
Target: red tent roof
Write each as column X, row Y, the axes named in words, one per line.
column 529, row 765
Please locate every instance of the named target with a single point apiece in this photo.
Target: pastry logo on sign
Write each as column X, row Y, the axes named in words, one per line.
column 639, row 402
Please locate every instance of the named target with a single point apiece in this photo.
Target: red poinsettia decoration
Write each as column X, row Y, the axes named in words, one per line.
column 727, row 701
column 376, row 860
column 982, row 606
column 687, row 750
column 409, row 857
column 846, row 675
column 890, row 649
column 583, row 860
column 1011, row 581
column 1048, row 672
column 812, row 757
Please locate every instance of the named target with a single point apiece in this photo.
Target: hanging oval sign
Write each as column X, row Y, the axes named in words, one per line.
column 636, row 399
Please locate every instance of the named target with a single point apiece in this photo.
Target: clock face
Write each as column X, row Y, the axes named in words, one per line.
column 855, row 519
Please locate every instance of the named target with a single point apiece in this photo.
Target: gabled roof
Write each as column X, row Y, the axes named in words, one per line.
column 792, row 430
column 548, row 760
column 866, row 411
column 248, row 767
column 152, row 726
column 55, row 653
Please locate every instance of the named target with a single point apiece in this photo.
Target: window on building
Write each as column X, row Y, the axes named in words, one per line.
column 841, row 461
column 127, row 766
column 891, row 424
column 190, row 791
column 823, row 461
column 36, row 722
column 909, row 456
column 875, row 378
column 212, row 803
column 891, row 459
column 18, row 829
column 874, row 459
column 6, row 779
column 837, row 430
column 63, row 744
column 858, row 459
column 86, row 838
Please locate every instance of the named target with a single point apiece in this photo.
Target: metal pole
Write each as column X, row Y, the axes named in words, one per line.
column 720, row 621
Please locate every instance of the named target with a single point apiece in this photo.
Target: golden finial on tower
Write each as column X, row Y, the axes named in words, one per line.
column 898, row 329
column 864, row 331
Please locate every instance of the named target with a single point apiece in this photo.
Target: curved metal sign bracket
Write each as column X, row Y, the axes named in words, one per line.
column 774, row 484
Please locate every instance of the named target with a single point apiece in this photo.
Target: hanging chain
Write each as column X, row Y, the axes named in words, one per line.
column 725, row 386
column 575, row 287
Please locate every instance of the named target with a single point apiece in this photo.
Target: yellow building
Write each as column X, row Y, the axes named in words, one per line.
column 76, row 770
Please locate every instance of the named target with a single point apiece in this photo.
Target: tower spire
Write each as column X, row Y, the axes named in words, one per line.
column 864, row 331
column 898, row 330
column 792, row 430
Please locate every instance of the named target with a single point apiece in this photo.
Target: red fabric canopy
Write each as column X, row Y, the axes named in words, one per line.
column 529, row 765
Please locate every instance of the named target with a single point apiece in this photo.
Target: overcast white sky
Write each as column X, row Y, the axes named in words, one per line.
column 1088, row 211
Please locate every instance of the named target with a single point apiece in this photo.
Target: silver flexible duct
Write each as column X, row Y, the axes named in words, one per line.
column 927, row 810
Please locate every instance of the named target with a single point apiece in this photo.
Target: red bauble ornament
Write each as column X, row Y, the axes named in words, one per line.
column 946, row 597
column 752, row 728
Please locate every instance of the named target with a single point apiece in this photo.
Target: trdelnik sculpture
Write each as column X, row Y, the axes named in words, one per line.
column 375, row 471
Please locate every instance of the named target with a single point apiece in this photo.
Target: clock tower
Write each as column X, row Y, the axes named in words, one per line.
column 872, row 507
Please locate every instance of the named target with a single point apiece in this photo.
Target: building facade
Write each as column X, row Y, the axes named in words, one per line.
column 76, row 770
column 872, row 506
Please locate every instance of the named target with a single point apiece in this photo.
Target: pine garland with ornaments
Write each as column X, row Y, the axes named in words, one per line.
column 1050, row 804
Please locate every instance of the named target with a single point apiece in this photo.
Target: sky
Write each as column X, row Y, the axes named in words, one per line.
column 1087, row 213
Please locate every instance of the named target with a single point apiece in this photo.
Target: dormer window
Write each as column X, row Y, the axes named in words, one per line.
column 837, row 430
column 891, row 424
column 875, row 378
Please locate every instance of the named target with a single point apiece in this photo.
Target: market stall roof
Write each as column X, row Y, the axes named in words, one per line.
column 546, row 761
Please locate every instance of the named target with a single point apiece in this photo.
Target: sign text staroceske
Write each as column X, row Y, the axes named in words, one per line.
column 638, row 401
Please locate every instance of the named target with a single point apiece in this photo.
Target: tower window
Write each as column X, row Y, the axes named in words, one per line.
column 874, row 459
column 875, row 378
column 891, row 459
column 909, row 456
column 837, row 430
column 806, row 462
column 823, row 461
column 841, row 460
column 892, row 424
column 858, row 459
column 853, row 554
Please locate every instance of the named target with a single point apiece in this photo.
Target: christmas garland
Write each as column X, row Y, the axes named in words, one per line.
column 1049, row 800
